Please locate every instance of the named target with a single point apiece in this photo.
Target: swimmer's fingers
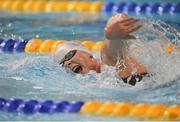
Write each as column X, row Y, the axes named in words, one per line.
column 126, row 20
column 129, row 21
column 121, row 22
column 133, row 28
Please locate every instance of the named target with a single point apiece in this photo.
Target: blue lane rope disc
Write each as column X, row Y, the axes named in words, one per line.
column 34, row 106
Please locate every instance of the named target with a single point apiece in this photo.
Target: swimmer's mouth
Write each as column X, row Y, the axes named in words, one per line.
column 77, row 69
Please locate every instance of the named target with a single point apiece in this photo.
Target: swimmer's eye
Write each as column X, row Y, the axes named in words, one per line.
column 69, row 64
column 91, row 56
column 77, row 69
column 68, row 56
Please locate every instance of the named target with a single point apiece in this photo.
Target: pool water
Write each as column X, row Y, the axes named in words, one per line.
column 37, row 76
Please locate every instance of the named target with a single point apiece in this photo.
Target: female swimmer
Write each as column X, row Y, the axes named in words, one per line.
column 117, row 31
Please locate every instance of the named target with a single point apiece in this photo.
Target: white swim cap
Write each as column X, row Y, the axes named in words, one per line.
column 64, row 48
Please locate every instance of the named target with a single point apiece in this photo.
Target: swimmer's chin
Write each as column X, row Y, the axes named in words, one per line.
column 98, row 68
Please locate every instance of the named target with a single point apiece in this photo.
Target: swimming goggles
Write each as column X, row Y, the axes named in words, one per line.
column 67, row 57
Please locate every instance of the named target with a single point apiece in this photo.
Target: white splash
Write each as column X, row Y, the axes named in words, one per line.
column 164, row 67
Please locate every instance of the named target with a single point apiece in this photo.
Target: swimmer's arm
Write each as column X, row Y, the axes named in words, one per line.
column 116, row 35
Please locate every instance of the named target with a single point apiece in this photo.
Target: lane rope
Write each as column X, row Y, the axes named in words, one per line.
column 115, row 109
column 48, row 6
column 49, row 46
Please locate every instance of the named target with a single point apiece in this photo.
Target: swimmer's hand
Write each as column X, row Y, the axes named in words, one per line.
column 120, row 28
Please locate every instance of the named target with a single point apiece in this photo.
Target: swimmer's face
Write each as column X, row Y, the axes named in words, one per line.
column 82, row 62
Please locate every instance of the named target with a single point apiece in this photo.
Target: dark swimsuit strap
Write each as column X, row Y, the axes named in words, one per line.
column 135, row 78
